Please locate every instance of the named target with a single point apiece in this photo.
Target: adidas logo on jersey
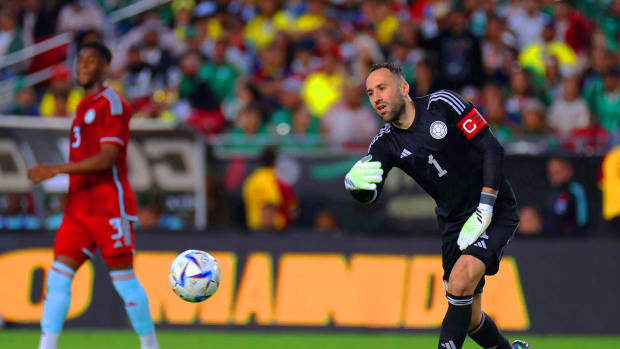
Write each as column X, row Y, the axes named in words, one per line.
column 481, row 244
column 405, row 153
column 448, row 345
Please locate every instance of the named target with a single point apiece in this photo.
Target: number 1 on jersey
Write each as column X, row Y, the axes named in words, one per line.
column 432, row 161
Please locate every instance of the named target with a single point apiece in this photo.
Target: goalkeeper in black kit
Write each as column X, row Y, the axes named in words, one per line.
column 445, row 145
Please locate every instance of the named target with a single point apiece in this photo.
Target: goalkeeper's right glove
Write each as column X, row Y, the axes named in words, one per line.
column 364, row 174
column 475, row 226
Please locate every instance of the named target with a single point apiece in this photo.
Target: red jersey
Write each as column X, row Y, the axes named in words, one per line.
column 99, row 119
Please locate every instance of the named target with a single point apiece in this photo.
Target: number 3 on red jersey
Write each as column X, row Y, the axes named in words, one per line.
column 78, row 139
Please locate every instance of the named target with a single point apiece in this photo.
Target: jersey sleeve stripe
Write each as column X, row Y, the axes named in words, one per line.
column 119, row 189
column 384, row 129
column 457, row 109
column 116, row 106
column 453, row 97
column 111, row 140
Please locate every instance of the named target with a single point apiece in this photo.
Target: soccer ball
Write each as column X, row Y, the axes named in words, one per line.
column 194, row 275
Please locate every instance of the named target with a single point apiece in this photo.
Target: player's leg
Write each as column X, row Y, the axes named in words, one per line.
column 136, row 303
column 476, row 311
column 489, row 249
column 483, row 330
column 117, row 251
column 57, row 299
column 71, row 248
column 464, row 277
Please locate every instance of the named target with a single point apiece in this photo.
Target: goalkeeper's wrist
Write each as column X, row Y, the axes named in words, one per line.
column 487, row 200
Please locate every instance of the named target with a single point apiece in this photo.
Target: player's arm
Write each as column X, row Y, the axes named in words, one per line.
column 104, row 160
column 492, row 166
column 366, row 178
column 492, row 160
column 474, row 127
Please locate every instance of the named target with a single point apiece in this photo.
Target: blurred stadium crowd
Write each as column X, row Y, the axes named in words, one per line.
column 275, row 67
column 545, row 73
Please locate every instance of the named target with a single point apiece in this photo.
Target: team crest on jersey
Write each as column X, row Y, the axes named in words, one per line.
column 438, row 129
column 89, row 116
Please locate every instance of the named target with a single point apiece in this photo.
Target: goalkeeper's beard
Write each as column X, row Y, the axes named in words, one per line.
column 398, row 112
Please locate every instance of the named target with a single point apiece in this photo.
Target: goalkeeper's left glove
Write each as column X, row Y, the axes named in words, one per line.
column 364, row 175
column 478, row 223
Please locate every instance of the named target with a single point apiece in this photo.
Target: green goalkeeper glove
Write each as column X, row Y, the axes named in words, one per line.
column 364, row 174
column 475, row 225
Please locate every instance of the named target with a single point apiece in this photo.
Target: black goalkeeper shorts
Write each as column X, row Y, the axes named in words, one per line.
column 489, row 248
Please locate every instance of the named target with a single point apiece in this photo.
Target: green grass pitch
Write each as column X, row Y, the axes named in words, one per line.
column 179, row 339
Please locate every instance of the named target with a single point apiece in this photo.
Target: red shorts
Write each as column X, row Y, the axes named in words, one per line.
column 78, row 237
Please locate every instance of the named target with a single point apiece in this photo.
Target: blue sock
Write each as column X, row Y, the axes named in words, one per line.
column 57, row 298
column 136, row 303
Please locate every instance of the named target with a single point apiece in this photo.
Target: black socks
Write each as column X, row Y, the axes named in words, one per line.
column 488, row 336
column 456, row 322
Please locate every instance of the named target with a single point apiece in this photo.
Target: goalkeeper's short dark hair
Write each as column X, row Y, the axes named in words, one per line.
column 392, row 67
column 103, row 51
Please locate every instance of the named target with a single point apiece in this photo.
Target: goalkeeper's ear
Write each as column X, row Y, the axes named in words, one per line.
column 404, row 88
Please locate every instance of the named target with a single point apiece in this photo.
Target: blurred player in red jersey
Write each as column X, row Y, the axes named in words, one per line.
column 100, row 205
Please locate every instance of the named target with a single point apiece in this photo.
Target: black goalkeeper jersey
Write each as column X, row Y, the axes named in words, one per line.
column 443, row 151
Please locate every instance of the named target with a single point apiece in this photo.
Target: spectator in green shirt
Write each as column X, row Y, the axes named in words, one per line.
column 24, row 102
column 305, row 130
column 304, row 123
column 492, row 104
column 220, row 74
column 604, row 100
column 245, row 136
column 297, row 127
column 11, row 38
column 281, row 119
column 610, row 22
column 189, row 66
